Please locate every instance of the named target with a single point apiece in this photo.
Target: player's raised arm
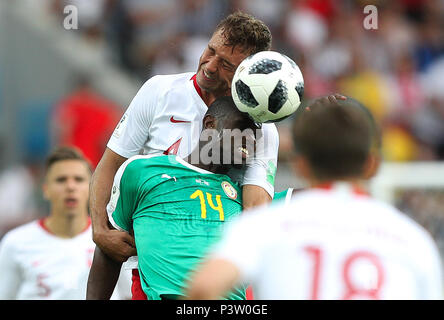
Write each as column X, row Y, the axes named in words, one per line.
column 258, row 182
column 116, row 244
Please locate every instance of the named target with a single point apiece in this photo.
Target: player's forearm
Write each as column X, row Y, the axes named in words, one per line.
column 101, row 183
column 103, row 276
column 100, row 190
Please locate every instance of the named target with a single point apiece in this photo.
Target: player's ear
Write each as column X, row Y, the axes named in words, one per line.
column 371, row 165
column 209, row 122
column 45, row 191
column 302, row 167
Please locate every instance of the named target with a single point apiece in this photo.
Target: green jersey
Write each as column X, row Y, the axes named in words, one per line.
column 177, row 211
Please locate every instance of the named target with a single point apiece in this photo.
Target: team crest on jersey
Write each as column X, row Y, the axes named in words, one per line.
column 120, row 126
column 229, row 190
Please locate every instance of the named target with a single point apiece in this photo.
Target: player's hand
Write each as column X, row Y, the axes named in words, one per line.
column 118, row 245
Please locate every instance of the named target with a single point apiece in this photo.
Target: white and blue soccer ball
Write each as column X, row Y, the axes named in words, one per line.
column 268, row 86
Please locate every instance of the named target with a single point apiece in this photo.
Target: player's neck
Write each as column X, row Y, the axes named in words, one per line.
column 195, row 160
column 209, row 97
column 66, row 226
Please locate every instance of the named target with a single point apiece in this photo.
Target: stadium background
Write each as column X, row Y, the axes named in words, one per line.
column 397, row 70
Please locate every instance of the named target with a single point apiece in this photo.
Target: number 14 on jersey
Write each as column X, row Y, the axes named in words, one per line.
column 203, row 207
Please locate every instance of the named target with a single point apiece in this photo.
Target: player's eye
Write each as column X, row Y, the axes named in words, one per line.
column 227, row 66
column 211, row 50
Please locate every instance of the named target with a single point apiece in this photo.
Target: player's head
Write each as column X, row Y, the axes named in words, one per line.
column 235, row 38
column 66, row 183
column 336, row 140
column 228, row 135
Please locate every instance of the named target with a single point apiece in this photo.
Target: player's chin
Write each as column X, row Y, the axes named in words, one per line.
column 71, row 213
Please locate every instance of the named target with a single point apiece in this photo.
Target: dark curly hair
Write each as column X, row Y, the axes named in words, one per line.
column 245, row 31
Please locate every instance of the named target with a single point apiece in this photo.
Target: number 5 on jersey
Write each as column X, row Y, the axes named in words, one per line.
column 203, row 206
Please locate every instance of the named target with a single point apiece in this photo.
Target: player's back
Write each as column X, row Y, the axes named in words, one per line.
column 337, row 244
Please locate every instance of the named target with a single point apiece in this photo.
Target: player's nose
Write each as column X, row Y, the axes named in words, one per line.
column 211, row 65
column 71, row 184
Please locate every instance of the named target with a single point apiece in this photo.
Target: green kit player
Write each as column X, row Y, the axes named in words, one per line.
column 177, row 210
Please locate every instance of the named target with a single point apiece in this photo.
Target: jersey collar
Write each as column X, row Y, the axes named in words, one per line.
column 342, row 187
column 188, row 165
column 41, row 223
column 196, row 86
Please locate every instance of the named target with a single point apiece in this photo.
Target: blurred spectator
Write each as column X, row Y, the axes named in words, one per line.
column 398, row 144
column 85, row 119
column 18, row 203
column 270, row 14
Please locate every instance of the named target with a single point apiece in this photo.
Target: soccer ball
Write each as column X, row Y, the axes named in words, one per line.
column 268, row 86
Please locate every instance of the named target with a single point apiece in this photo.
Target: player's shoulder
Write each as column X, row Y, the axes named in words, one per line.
column 136, row 163
column 166, row 82
column 141, row 160
column 148, row 165
column 403, row 222
column 23, row 233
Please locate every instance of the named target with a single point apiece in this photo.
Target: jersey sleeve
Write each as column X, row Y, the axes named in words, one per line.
column 262, row 170
column 132, row 131
column 9, row 269
column 242, row 244
column 123, row 199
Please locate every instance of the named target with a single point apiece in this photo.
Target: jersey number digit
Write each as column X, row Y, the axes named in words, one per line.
column 351, row 289
column 203, row 206
column 173, row 148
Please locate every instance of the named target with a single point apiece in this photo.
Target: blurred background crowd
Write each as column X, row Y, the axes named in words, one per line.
column 397, row 70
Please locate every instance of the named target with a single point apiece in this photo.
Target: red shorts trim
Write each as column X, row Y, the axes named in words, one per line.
column 136, row 287
column 249, row 293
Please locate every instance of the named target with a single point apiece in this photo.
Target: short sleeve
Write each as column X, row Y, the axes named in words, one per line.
column 262, row 170
column 132, row 131
column 122, row 202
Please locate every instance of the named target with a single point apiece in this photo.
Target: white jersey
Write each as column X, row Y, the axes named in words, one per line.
column 333, row 244
column 35, row 264
column 166, row 116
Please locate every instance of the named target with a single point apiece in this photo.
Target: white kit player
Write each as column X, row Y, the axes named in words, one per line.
column 332, row 241
column 51, row 258
column 166, row 117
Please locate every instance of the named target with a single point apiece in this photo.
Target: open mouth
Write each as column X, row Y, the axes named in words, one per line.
column 207, row 76
column 71, row 202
